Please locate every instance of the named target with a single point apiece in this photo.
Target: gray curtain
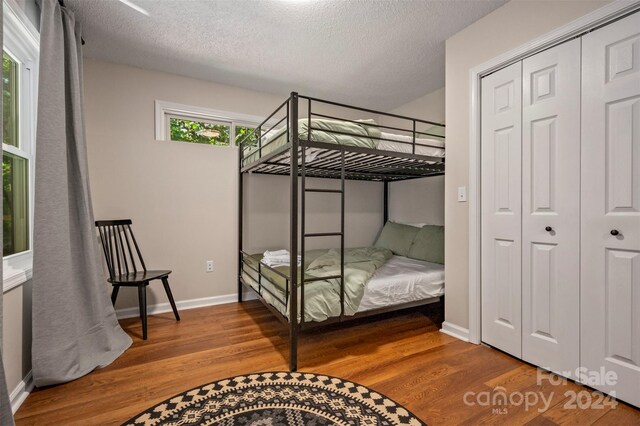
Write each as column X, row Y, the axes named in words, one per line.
column 6, row 418
column 74, row 325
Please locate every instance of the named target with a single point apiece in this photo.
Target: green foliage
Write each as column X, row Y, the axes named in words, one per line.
column 15, row 186
column 7, row 205
column 243, row 132
column 9, row 100
column 199, row 132
column 208, row 133
column 10, row 137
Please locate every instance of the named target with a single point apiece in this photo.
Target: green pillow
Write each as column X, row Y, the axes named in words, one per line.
column 397, row 237
column 428, row 244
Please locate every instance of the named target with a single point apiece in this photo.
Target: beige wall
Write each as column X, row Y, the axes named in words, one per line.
column 420, row 200
column 417, row 201
column 430, row 107
column 508, row 27
column 16, row 334
column 267, row 219
column 32, row 10
column 182, row 197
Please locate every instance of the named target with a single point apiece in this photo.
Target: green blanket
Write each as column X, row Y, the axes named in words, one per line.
column 357, row 134
column 322, row 297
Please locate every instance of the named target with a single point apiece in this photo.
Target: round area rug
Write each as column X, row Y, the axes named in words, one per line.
column 278, row 399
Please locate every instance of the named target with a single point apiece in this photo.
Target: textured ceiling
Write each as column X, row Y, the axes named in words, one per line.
column 376, row 53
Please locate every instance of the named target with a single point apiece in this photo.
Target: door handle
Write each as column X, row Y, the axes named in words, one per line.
column 548, row 229
column 615, row 232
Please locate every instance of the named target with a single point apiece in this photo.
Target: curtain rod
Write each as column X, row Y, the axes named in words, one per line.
column 61, row 3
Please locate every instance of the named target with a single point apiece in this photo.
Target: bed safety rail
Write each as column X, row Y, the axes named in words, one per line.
column 261, row 276
column 406, row 155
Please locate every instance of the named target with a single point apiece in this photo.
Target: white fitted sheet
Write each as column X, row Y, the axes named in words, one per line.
column 403, row 280
column 431, row 147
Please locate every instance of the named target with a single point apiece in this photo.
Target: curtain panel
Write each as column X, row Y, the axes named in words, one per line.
column 75, row 329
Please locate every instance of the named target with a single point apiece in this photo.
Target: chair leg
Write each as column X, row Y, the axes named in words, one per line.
column 114, row 294
column 167, row 289
column 142, row 300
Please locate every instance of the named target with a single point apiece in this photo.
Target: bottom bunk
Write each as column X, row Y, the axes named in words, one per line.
column 396, row 282
column 404, row 268
column 375, row 281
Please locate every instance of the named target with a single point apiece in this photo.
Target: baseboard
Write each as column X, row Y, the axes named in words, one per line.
column 21, row 392
column 456, row 331
column 182, row 305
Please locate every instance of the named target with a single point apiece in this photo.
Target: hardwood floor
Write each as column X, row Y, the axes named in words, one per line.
column 403, row 356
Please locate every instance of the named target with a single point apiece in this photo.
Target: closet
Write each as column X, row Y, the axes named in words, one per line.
column 560, row 208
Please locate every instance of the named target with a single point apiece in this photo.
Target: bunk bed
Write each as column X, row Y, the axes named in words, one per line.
column 301, row 143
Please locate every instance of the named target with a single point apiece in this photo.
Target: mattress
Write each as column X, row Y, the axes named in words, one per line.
column 402, row 280
column 355, row 134
column 424, row 146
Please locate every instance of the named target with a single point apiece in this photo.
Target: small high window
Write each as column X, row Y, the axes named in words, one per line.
column 184, row 123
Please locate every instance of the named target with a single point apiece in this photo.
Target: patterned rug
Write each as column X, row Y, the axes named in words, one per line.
column 278, row 399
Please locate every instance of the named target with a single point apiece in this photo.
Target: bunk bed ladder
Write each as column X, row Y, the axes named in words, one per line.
column 303, row 222
column 306, row 234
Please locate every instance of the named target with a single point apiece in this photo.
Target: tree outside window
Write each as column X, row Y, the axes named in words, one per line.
column 15, row 165
column 183, row 129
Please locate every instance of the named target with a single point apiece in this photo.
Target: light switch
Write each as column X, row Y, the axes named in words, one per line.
column 462, row 194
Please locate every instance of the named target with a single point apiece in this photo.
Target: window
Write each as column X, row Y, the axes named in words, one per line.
column 19, row 94
column 15, row 220
column 10, row 103
column 184, row 123
column 15, row 165
column 244, row 132
column 200, row 131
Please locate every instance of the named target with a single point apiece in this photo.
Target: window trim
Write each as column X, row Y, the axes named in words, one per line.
column 22, row 42
column 164, row 110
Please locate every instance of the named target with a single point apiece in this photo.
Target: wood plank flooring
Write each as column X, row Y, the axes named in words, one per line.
column 401, row 355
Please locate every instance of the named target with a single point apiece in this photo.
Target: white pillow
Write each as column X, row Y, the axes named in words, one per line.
column 417, row 225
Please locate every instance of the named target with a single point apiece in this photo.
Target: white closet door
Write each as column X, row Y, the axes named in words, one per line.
column 610, row 297
column 550, row 208
column 501, row 209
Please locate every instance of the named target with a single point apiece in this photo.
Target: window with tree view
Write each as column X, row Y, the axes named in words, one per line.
column 15, row 164
column 15, row 223
column 184, row 129
column 247, row 135
column 9, row 100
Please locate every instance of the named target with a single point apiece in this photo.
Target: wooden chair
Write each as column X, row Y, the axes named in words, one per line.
column 118, row 243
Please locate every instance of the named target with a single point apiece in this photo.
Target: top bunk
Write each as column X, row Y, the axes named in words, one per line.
column 334, row 140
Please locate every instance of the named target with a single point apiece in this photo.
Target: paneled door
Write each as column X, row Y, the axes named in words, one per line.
column 550, row 208
column 610, row 296
column 501, row 209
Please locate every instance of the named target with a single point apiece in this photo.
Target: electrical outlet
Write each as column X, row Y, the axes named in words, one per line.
column 462, row 194
column 209, row 265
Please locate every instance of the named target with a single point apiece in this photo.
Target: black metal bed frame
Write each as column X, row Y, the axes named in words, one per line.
column 334, row 161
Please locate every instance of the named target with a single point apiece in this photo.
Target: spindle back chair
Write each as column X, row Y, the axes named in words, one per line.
column 126, row 265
